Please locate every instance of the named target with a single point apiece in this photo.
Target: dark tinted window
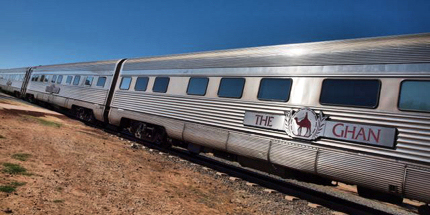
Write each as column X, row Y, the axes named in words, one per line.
column 76, row 80
column 54, row 79
column 125, row 83
column 89, row 80
column 141, row 83
column 161, row 84
column 197, row 86
column 231, row 87
column 415, row 96
column 274, row 89
column 60, row 79
column 69, row 79
column 358, row 93
column 42, row 77
column 101, row 82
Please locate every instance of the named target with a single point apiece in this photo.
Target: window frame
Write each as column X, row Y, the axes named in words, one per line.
column 104, row 83
column 54, row 80
column 243, row 87
column 122, row 79
column 275, row 100
column 74, row 79
column 71, row 79
column 59, row 78
column 168, row 83
column 147, row 83
column 378, row 96
column 206, row 88
column 91, row 83
column 400, row 92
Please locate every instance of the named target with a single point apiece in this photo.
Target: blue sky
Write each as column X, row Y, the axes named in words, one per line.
column 41, row 32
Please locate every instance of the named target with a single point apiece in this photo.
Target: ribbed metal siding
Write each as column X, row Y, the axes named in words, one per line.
column 17, row 85
column 361, row 169
column 294, row 156
column 413, row 139
column 248, row 145
column 417, row 184
column 384, row 50
column 206, row 136
column 86, row 94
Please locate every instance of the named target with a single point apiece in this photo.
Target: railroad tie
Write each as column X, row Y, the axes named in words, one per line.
column 312, row 205
column 291, row 198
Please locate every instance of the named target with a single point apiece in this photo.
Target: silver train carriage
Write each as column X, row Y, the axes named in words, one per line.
column 14, row 80
column 356, row 111
column 82, row 87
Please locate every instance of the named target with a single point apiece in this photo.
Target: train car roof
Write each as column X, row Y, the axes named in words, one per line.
column 404, row 49
column 14, row 70
column 95, row 66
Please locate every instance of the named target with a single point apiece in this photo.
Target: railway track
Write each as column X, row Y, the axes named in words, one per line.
column 333, row 202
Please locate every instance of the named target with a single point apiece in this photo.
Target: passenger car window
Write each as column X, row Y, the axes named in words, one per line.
column 54, row 79
column 274, row 89
column 414, row 96
column 231, row 87
column 89, row 80
column 46, row 78
column 197, row 86
column 76, row 80
column 101, row 82
column 141, row 83
column 69, row 79
column 42, row 77
column 161, row 84
column 349, row 92
column 125, row 83
column 60, row 79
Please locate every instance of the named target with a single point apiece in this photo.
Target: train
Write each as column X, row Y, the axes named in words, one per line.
column 355, row 111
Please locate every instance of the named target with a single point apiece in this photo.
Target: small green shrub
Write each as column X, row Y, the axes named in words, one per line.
column 2, row 137
column 11, row 187
column 7, row 189
column 17, row 184
column 14, row 169
column 21, row 156
column 58, row 201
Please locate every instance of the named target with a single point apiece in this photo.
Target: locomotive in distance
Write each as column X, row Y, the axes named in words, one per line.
column 356, row 111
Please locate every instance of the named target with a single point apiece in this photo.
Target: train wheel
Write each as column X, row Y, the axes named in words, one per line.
column 31, row 99
column 139, row 129
column 89, row 116
column 80, row 114
column 160, row 139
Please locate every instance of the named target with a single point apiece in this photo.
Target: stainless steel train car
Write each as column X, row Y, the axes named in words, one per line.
column 81, row 87
column 356, row 111
column 14, row 80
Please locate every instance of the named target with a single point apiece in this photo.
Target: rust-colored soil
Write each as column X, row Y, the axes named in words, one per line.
column 76, row 169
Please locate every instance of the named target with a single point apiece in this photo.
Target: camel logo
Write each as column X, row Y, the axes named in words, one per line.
column 304, row 124
column 52, row 89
